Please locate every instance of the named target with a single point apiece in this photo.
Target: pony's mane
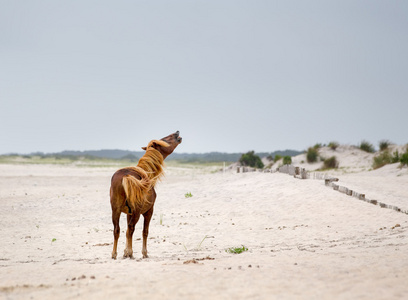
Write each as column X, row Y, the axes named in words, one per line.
column 158, row 142
column 152, row 161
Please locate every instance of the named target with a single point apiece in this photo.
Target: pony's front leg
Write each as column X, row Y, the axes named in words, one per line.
column 147, row 217
column 131, row 222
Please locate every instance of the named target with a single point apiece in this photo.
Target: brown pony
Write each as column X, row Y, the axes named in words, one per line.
column 132, row 191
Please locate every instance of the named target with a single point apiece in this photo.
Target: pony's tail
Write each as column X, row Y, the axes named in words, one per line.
column 136, row 190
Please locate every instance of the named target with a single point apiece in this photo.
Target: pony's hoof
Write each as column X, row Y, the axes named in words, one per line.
column 114, row 255
column 128, row 253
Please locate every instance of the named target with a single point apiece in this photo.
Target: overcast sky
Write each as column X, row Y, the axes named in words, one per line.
column 232, row 76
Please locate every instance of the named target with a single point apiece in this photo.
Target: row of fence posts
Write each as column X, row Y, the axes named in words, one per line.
column 342, row 189
column 249, row 169
column 301, row 173
column 287, row 169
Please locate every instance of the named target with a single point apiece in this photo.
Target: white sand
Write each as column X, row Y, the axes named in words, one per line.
column 305, row 240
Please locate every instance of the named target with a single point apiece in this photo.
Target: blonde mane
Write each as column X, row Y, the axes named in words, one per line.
column 152, row 162
column 150, row 170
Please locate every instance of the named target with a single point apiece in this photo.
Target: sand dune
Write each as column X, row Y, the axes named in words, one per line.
column 304, row 240
column 351, row 159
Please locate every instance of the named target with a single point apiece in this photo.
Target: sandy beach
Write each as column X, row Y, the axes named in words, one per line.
column 304, row 240
column 280, row 124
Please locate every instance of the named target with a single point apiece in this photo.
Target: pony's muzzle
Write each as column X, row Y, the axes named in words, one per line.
column 178, row 137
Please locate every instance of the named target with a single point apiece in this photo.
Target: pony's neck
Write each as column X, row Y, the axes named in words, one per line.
column 152, row 162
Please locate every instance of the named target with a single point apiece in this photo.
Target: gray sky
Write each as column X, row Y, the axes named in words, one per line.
column 232, row 76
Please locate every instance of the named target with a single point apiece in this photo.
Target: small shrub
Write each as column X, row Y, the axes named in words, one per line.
column 333, row 145
column 237, row 250
column 251, row 160
column 395, row 157
column 367, row 147
column 287, row 160
column 312, row 155
column 331, row 163
column 188, row 195
column 384, row 145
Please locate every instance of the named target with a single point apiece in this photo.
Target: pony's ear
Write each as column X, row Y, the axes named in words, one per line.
column 144, row 148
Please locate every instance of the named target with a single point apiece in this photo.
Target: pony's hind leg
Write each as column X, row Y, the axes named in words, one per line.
column 116, row 232
column 147, row 217
column 131, row 221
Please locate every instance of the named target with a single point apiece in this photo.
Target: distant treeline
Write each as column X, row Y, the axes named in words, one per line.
column 181, row 157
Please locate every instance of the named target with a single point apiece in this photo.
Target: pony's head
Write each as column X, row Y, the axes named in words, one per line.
column 166, row 145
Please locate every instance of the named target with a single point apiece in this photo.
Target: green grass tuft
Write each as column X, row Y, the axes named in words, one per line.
column 384, row 145
column 237, row 250
column 333, row 145
column 367, row 147
column 331, row 163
